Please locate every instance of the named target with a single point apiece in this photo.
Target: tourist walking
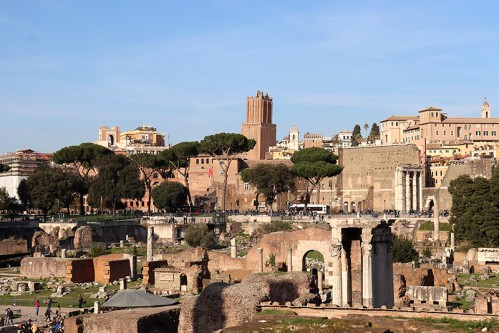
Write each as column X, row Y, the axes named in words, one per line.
column 37, row 307
column 48, row 312
column 80, row 302
column 9, row 316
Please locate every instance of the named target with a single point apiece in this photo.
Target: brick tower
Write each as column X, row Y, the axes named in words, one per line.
column 259, row 125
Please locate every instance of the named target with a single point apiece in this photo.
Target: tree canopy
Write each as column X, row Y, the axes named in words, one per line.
column 4, row 167
column 199, row 235
column 224, row 147
column 356, row 138
column 118, row 179
column 374, row 134
column 184, row 151
column 475, row 209
column 83, row 158
column 403, row 250
column 315, row 164
column 270, row 180
column 170, row 196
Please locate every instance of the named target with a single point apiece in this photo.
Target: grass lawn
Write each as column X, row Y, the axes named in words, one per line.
column 68, row 301
column 491, row 282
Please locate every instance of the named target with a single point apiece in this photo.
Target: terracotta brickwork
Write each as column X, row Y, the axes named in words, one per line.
column 110, row 268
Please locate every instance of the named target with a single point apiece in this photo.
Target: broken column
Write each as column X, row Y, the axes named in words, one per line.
column 233, row 248
column 436, row 225
column 452, row 242
column 133, row 267
column 290, row 260
column 63, row 253
column 96, row 307
column 150, row 239
column 260, row 260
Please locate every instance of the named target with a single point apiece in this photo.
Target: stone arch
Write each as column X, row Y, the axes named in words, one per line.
column 308, row 266
column 345, row 206
column 430, row 202
column 110, row 139
column 353, row 207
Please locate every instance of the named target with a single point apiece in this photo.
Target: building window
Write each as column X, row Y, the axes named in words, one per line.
column 207, row 161
column 445, row 132
column 437, row 132
column 477, row 133
column 493, row 133
column 485, row 133
column 432, row 114
column 197, row 160
column 246, row 186
column 451, row 132
column 202, row 161
column 484, row 125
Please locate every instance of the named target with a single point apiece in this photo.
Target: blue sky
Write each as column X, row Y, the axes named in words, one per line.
column 186, row 67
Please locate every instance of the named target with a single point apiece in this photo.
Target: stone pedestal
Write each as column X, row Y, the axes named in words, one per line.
column 123, row 284
column 63, row 253
column 96, row 307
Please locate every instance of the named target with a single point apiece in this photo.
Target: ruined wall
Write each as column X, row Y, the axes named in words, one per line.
column 12, row 246
column 150, row 320
column 299, row 241
column 80, row 270
column 148, row 268
column 222, row 305
column 426, row 275
column 368, row 175
column 110, row 268
column 83, row 238
column 43, row 267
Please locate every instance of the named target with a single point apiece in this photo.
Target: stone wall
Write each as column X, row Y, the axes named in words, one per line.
column 148, row 268
column 368, row 175
column 110, row 268
column 222, row 305
column 12, row 246
column 140, row 320
column 426, row 275
column 83, row 238
column 43, row 267
column 80, row 270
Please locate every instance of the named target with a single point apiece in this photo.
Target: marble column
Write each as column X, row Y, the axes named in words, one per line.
column 345, row 283
column 414, row 190
column 337, row 298
column 436, row 222
column 290, row 260
column 420, row 193
column 233, row 248
column 133, row 267
column 260, row 259
column 150, row 239
column 399, row 190
column 407, row 192
column 367, row 275
column 452, row 243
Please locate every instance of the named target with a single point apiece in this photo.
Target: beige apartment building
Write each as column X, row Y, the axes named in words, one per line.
column 433, row 125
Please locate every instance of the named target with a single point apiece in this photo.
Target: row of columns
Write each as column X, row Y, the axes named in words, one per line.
column 408, row 189
column 341, row 265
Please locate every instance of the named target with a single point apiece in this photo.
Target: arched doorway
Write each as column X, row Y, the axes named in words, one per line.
column 110, row 139
column 313, row 262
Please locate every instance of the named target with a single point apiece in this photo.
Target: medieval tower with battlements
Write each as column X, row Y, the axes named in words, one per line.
column 258, row 125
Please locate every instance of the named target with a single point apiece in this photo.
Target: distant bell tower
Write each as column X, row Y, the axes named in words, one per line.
column 294, row 138
column 258, row 125
column 485, row 109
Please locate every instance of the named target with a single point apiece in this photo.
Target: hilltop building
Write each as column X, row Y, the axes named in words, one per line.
column 144, row 139
column 22, row 164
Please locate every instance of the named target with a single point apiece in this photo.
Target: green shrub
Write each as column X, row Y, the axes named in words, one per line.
column 403, row 250
column 275, row 226
column 199, row 235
